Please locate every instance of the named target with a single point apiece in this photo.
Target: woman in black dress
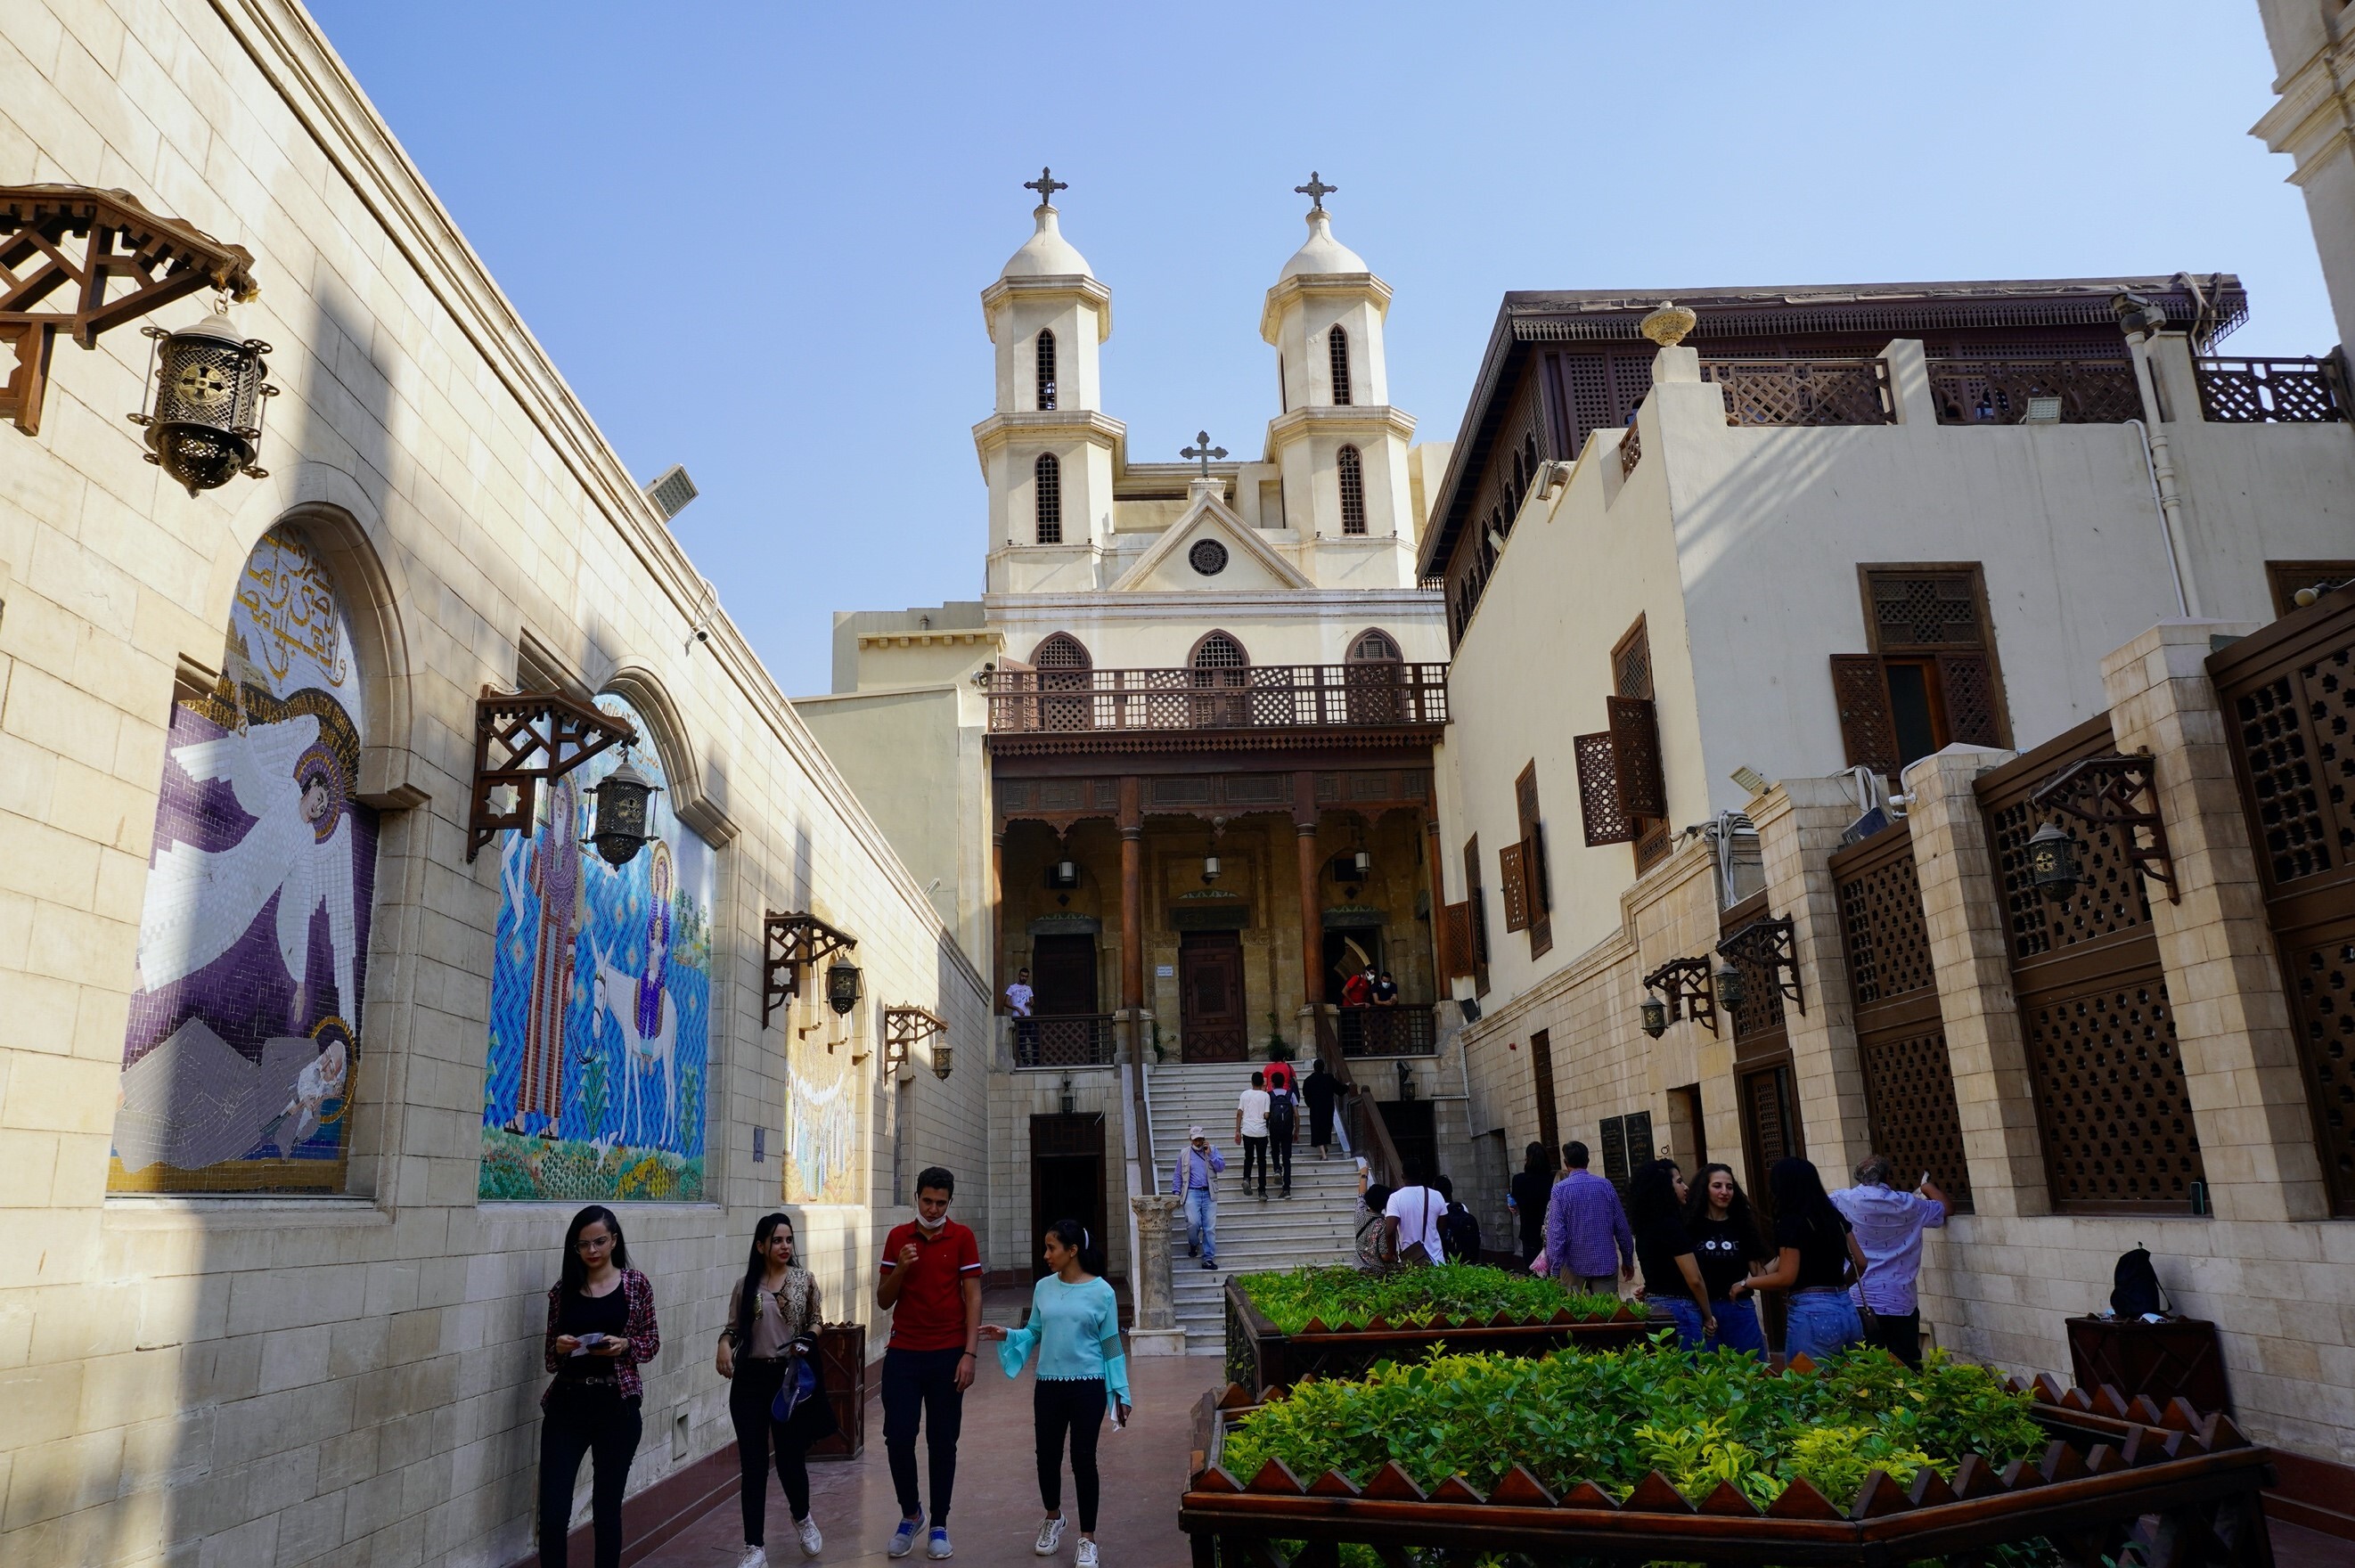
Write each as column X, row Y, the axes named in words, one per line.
column 1531, row 1190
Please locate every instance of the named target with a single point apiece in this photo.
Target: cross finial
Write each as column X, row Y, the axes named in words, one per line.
column 1315, row 190
column 1202, row 451
column 1046, row 185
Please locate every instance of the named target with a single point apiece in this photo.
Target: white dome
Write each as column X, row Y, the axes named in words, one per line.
column 1046, row 254
column 1322, row 253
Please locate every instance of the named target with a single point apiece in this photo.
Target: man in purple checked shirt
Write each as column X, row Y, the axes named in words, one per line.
column 1889, row 1226
column 1589, row 1247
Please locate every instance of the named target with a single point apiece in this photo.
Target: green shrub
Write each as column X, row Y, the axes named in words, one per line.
column 1348, row 1296
column 1609, row 1418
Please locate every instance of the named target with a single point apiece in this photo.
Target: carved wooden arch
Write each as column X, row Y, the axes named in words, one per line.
column 1057, row 642
column 692, row 799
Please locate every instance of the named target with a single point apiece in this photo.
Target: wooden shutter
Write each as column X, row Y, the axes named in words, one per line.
column 1598, row 792
column 1536, row 881
column 1968, row 686
column 1515, row 886
column 1867, row 728
column 1478, row 907
column 1635, row 756
column 1457, row 924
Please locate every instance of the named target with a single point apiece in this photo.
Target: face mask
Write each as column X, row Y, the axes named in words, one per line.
column 929, row 1226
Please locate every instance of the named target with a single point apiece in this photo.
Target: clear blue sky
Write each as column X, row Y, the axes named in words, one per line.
column 753, row 236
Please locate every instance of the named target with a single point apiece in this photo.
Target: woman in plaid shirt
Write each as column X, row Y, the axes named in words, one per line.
column 601, row 1327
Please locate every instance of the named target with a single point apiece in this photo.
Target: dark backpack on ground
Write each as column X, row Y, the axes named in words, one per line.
column 2134, row 1285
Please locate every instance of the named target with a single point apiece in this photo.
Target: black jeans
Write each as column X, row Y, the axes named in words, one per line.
column 922, row 1385
column 1279, row 1147
column 757, row 1436
column 597, row 1421
column 1900, row 1336
column 1255, row 1153
column 1076, row 1406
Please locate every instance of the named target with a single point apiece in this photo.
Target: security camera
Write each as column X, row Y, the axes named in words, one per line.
column 701, row 635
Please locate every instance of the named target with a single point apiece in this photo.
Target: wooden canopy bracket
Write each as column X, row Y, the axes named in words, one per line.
column 539, row 736
column 1684, row 985
column 1767, row 943
column 64, row 249
column 905, row 1027
column 2119, row 792
column 792, row 938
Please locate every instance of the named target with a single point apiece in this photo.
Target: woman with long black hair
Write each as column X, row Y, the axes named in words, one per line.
column 1656, row 1200
column 1075, row 1323
column 1728, row 1247
column 1819, row 1259
column 601, row 1329
column 771, row 1340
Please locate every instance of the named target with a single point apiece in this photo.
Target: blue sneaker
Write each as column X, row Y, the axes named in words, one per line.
column 939, row 1548
column 903, row 1539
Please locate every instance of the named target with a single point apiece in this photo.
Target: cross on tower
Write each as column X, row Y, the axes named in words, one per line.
column 1315, row 190
column 1202, row 451
column 1047, row 185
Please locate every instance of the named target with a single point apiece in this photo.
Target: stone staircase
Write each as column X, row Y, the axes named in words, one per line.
column 1317, row 1224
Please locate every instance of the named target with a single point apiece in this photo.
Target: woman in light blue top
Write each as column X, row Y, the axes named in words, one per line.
column 1075, row 1323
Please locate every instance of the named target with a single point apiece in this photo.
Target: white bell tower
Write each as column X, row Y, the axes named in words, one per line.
column 1047, row 450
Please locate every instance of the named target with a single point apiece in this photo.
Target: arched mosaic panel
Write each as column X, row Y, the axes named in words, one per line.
column 244, row 1033
column 599, row 1075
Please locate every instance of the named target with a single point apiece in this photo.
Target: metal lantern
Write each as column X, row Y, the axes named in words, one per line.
column 1361, row 865
column 842, row 985
column 941, row 1057
column 205, row 425
column 1210, row 867
column 621, row 797
column 1655, row 1014
column 1405, row 1082
column 1067, row 874
column 2052, row 862
column 1732, row 990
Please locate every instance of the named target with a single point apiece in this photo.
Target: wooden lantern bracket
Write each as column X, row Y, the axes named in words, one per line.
column 792, row 938
column 538, row 737
column 1766, row 943
column 81, row 261
column 905, row 1027
column 2119, row 792
column 1684, row 985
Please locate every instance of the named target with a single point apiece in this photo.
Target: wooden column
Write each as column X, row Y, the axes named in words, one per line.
column 1132, row 897
column 1311, row 928
column 1442, row 966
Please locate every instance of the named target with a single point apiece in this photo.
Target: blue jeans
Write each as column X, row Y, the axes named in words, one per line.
column 1821, row 1323
column 1201, row 1209
column 1737, row 1326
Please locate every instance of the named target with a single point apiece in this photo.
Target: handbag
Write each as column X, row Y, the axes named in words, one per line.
column 800, row 1383
column 1416, row 1253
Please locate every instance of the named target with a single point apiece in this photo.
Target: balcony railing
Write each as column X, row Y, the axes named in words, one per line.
column 1409, row 1029
column 1072, row 1040
column 1259, row 696
column 1802, row 391
column 2270, row 391
column 2011, row 391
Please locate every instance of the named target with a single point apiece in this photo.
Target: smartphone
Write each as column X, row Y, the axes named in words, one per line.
column 588, row 1341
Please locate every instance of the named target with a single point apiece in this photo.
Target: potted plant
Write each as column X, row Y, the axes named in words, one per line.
column 1278, row 1048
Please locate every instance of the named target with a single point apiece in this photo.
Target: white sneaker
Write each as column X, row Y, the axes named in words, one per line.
column 1087, row 1554
column 812, row 1541
column 1050, row 1537
column 754, row 1557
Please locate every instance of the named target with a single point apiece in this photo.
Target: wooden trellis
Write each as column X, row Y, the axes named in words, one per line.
column 792, row 938
column 905, row 1027
column 538, row 737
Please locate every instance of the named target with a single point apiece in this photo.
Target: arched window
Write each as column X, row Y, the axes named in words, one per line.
column 1061, row 652
column 1375, row 645
column 1049, row 475
column 1353, row 490
column 1218, row 659
column 1375, row 677
column 1336, row 345
column 1046, row 368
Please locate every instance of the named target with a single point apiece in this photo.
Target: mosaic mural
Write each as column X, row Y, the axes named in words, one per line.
column 601, row 1004
column 822, row 1127
column 244, row 1033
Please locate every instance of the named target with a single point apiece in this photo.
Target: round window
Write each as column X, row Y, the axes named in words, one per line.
column 1208, row 557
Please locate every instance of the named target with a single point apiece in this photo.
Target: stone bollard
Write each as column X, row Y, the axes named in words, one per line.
column 1157, row 1332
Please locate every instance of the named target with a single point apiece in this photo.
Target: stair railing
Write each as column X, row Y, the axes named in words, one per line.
column 1372, row 1134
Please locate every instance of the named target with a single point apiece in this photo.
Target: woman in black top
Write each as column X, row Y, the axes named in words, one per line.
column 1672, row 1278
column 1531, row 1191
column 772, row 1334
column 1726, row 1239
column 601, row 1329
column 1819, row 1261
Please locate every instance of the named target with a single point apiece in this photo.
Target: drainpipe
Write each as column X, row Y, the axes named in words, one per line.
column 2140, row 318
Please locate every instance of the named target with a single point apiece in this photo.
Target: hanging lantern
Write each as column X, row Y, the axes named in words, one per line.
column 1210, row 867
column 842, row 985
column 1361, row 865
column 1655, row 1014
column 209, row 383
column 1066, row 874
column 1732, row 990
column 941, row 1057
column 2052, row 862
column 622, row 798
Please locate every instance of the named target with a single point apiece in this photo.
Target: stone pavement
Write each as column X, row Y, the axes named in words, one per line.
column 995, row 1513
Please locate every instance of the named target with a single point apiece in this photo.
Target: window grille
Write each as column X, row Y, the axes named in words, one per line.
column 1048, row 473
column 1061, row 651
column 1353, row 492
column 1046, row 368
column 1375, row 645
column 1219, row 652
column 1337, row 346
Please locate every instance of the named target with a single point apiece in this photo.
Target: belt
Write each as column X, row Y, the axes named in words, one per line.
column 1841, row 1290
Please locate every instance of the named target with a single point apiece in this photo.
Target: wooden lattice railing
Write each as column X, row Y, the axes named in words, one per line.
column 2269, row 391
column 2006, row 391
column 1802, row 391
column 1075, row 1040
column 1272, row 696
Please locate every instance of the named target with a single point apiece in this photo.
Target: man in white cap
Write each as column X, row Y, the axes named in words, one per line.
column 1198, row 1163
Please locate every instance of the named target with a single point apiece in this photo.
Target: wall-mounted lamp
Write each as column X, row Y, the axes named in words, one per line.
column 1064, row 874
column 209, row 385
column 622, row 797
column 842, row 985
column 940, row 1058
column 1731, row 989
column 1071, row 1100
column 2052, row 862
column 1655, row 1014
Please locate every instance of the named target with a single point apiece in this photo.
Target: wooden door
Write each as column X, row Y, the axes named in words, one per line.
column 1063, row 976
column 1541, row 1066
column 1066, row 1177
column 1211, row 1024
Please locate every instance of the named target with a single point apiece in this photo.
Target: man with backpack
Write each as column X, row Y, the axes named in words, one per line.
column 1282, row 1123
column 1459, row 1228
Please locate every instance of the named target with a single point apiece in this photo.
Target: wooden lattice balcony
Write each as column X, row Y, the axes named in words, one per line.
column 2270, row 391
column 1255, row 697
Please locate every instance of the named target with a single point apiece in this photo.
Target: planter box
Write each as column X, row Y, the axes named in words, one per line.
column 2110, row 1463
column 1262, row 1357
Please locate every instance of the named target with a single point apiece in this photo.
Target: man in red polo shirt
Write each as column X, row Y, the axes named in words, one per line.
column 931, row 1284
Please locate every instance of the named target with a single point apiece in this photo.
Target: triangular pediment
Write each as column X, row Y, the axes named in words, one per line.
column 1249, row 563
